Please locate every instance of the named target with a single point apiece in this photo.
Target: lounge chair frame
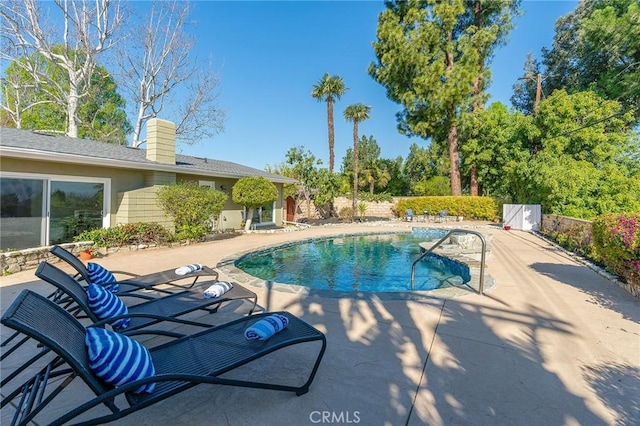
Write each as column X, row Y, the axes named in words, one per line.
column 212, row 353
column 149, row 312
column 136, row 282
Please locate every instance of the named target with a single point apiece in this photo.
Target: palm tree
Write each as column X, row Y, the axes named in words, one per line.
column 356, row 113
column 329, row 88
column 376, row 173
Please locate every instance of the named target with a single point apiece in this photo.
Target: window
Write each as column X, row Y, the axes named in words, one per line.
column 262, row 214
column 38, row 210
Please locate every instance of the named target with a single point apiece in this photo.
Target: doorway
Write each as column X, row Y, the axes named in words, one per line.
column 291, row 209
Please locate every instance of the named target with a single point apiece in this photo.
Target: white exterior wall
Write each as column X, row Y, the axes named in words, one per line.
column 524, row 217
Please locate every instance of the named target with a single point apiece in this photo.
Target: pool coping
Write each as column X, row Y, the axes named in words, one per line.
column 227, row 267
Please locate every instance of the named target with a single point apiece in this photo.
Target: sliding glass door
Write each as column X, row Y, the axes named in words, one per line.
column 262, row 214
column 75, row 207
column 37, row 210
column 22, row 213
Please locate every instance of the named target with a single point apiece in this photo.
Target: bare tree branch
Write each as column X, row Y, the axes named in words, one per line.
column 88, row 28
column 156, row 63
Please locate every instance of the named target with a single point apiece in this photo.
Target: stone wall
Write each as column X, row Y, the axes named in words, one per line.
column 578, row 228
column 383, row 209
column 22, row 260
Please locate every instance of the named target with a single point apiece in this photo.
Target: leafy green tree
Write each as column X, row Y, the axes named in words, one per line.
column 424, row 163
column 498, row 143
column 328, row 89
column 282, row 169
column 356, row 113
column 303, row 167
column 326, row 187
column 252, row 192
column 372, row 170
column 435, row 185
column 191, row 207
column 596, row 47
column 18, row 97
column 31, row 104
column 578, row 161
column 397, row 183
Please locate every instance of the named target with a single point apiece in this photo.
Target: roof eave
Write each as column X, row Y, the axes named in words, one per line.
column 121, row 164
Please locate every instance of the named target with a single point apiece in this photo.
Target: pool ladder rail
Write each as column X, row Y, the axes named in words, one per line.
column 440, row 241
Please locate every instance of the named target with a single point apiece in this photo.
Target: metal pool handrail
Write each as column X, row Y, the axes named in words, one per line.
column 440, row 241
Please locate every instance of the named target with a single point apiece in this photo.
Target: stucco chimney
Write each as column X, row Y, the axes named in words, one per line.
column 161, row 141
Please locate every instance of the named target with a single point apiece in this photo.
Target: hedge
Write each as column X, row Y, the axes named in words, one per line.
column 478, row 208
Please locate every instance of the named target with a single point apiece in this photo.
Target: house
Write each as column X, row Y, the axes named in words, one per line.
column 53, row 187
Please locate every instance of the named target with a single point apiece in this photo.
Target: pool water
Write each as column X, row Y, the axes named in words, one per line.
column 367, row 263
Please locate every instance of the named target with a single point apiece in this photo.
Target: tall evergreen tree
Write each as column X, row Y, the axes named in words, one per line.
column 431, row 58
column 489, row 22
column 524, row 90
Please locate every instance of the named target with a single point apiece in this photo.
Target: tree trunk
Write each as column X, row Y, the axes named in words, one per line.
column 72, row 110
column 477, row 93
column 454, row 158
column 331, row 133
column 247, row 222
column 473, row 184
column 371, row 185
column 452, row 137
column 137, row 128
column 355, row 167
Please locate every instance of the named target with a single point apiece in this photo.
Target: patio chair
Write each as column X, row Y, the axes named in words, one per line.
column 149, row 312
column 179, row 364
column 409, row 214
column 136, row 282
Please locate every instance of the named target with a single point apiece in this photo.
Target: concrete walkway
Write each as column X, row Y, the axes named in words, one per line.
column 553, row 343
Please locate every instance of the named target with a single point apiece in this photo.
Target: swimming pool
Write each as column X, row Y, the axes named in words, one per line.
column 355, row 263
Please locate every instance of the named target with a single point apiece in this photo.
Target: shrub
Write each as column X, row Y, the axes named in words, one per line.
column 616, row 243
column 362, row 209
column 436, row 186
column 252, row 192
column 576, row 239
column 346, row 213
column 127, row 234
column 484, row 208
column 191, row 207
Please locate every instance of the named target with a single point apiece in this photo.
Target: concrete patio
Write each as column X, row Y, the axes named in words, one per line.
column 552, row 343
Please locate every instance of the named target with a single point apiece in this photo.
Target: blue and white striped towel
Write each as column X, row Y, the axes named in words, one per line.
column 266, row 327
column 188, row 269
column 218, row 289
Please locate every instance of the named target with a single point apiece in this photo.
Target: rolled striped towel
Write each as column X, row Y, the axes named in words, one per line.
column 188, row 269
column 218, row 289
column 266, row 327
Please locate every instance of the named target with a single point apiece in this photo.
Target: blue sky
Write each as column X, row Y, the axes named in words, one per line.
column 270, row 54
